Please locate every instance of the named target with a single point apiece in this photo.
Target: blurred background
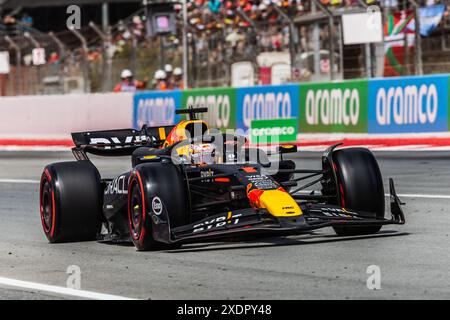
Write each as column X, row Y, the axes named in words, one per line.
column 213, row 42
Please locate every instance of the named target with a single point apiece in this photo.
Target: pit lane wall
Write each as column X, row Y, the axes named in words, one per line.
column 379, row 106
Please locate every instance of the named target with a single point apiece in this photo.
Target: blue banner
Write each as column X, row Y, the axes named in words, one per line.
column 156, row 108
column 409, row 104
column 266, row 102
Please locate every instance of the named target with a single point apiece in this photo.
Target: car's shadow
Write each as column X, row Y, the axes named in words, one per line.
column 258, row 243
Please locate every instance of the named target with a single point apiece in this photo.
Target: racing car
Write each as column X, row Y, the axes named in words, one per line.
column 189, row 183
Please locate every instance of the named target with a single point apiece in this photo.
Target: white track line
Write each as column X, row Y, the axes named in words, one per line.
column 59, row 290
column 423, row 196
column 319, row 147
column 19, row 181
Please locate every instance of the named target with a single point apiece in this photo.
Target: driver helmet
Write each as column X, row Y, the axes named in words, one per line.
column 202, row 153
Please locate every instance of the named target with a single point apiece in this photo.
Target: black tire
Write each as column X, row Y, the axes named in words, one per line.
column 70, row 200
column 360, row 186
column 147, row 182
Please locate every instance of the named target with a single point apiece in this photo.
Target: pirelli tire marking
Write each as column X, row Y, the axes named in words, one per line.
column 157, row 206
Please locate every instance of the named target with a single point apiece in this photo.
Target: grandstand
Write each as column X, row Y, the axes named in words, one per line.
column 226, row 38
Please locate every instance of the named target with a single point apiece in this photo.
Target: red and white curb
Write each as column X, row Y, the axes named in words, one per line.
column 305, row 142
column 35, row 144
column 398, row 142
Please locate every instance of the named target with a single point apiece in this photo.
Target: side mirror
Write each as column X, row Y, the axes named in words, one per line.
column 286, row 149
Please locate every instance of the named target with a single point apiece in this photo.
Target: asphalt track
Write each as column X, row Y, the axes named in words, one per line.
column 414, row 259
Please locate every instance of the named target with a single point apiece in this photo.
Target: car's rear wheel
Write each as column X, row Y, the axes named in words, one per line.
column 360, row 186
column 70, row 199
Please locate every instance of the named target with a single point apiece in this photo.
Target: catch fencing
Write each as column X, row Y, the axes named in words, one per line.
column 90, row 60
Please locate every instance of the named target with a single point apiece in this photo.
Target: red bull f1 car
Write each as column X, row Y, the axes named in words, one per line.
column 189, row 183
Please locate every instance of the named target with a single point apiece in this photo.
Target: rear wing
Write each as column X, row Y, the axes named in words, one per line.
column 119, row 142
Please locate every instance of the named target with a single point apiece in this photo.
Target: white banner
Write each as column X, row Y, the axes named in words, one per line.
column 362, row 28
column 39, row 56
column 5, row 67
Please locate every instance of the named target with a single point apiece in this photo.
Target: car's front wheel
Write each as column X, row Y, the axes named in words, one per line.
column 360, row 186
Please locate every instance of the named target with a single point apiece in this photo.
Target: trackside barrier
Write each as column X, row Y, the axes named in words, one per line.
column 55, row 117
column 229, row 108
column 334, row 107
column 156, row 108
column 390, row 106
column 409, row 104
column 375, row 106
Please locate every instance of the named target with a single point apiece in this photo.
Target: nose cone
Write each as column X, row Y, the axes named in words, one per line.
column 278, row 202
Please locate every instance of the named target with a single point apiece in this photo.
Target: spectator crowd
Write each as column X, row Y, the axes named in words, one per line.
column 220, row 33
column 167, row 79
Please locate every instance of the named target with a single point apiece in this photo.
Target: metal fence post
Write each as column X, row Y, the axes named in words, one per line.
column 134, row 44
column 85, row 68
column 293, row 35
column 36, row 45
column 418, row 39
column 367, row 48
column 62, row 57
column 341, row 51
column 105, row 16
column 194, row 67
column 316, row 41
column 255, row 28
column 107, row 58
column 330, row 27
column 185, row 45
column 16, row 48
column 225, row 62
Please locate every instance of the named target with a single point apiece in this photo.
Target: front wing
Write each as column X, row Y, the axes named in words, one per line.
column 253, row 222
